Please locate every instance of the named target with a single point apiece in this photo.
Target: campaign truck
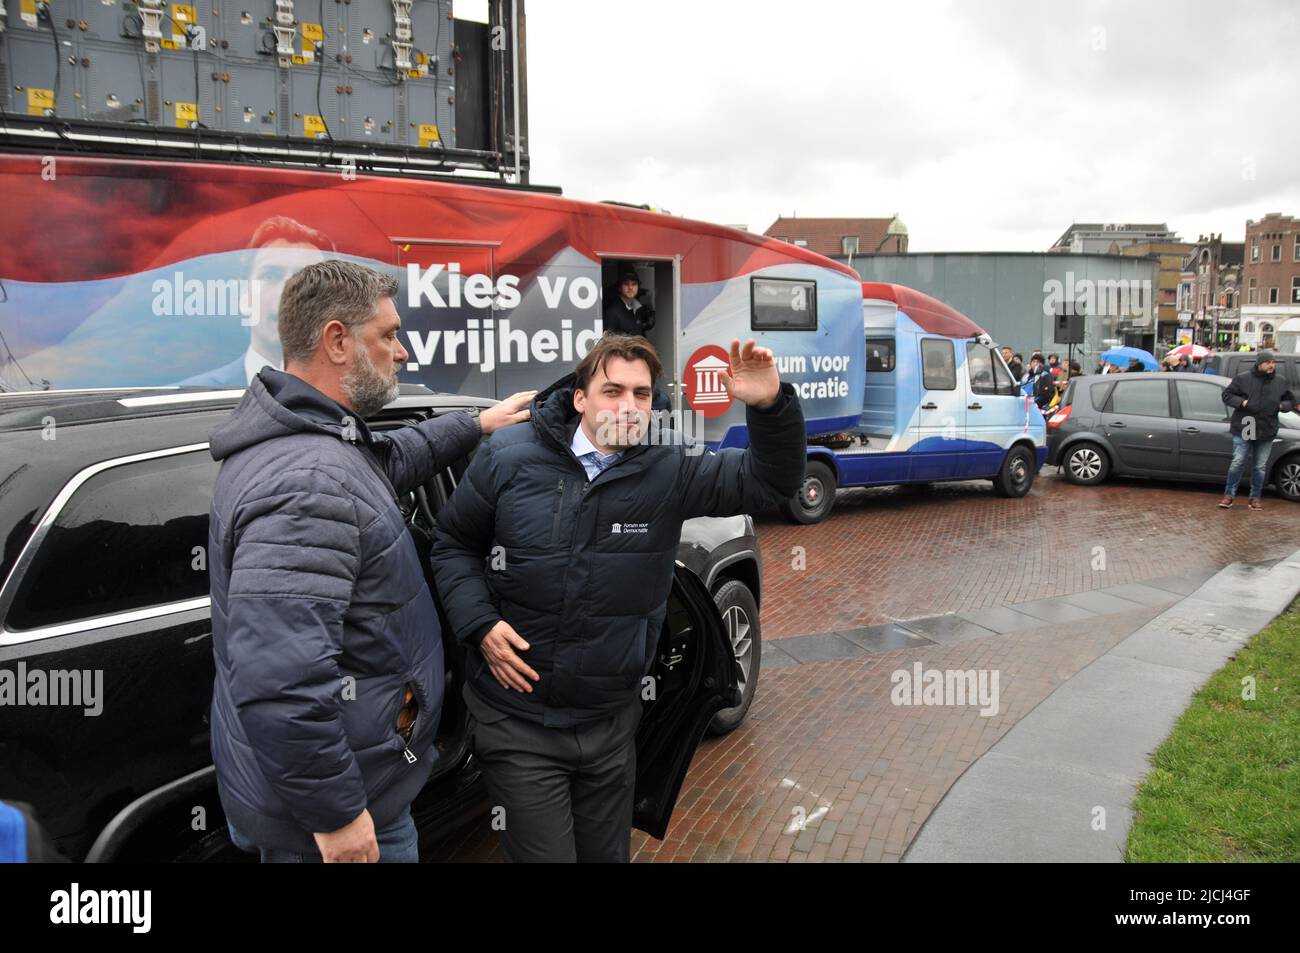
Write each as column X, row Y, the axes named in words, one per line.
column 938, row 404
column 130, row 272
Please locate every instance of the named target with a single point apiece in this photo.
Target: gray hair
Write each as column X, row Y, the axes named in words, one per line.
column 328, row 291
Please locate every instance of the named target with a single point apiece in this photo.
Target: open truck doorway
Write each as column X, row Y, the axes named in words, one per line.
column 658, row 293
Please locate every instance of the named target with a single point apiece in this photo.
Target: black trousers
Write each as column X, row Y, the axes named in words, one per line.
column 562, row 794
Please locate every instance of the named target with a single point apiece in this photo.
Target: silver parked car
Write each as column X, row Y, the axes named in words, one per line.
column 1170, row 426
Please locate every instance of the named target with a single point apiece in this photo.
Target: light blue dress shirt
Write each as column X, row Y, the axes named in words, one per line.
column 584, row 449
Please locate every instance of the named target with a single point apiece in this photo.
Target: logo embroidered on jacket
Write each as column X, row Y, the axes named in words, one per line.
column 629, row 527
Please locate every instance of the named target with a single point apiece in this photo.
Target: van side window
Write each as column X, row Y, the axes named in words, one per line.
column 1007, row 384
column 131, row 536
column 782, row 304
column 979, row 366
column 938, row 364
column 880, row 354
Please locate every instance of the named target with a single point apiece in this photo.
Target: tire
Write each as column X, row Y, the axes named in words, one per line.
column 816, row 498
column 1086, row 464
column 1017, row 474
column 740, row 616
column 1286, row 477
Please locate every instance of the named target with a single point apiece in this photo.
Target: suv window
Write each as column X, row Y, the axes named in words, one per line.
column 1200, row 400
column 130, row 537
column 939, row 364
column 979, row 365
column 1149, row 398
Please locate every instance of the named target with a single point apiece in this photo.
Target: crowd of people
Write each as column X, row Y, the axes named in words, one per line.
column 1043, row 378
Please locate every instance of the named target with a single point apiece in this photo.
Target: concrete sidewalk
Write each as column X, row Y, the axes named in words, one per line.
column 1035, row 796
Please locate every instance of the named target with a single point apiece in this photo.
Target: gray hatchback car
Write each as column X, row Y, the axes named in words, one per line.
column 1169, row 426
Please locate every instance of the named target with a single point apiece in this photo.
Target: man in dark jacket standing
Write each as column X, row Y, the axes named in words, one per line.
column 624, row 313
column 1256, row 396
column 1038, row 382
column 329, row 664
column 578, row 515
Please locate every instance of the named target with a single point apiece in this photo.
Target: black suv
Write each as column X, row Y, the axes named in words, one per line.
column 104, row 500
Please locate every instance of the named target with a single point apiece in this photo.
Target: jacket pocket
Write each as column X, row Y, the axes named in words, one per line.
column 618, row 653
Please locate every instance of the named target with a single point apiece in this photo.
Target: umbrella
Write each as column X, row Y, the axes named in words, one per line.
column 1193, row 351
column 1120, row 356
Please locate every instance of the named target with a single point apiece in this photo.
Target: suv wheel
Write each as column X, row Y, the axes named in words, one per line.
column 740, row 620
column 1086, row 464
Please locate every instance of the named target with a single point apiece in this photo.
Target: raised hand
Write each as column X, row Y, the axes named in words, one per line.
column 753, row 378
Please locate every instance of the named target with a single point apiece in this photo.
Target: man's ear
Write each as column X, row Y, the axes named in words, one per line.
column 579, row 400
column 336, row 340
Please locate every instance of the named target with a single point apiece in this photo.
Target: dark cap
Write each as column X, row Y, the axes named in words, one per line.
column 628, row 273
column 1264, row 355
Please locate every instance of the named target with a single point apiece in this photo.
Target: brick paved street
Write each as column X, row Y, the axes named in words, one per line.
column 823, row 744
column 902, row 552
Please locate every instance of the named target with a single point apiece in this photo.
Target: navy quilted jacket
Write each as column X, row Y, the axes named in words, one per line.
column 321, row 616
column 584, row 569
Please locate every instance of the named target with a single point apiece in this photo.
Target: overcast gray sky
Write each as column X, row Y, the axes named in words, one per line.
column 984, row 125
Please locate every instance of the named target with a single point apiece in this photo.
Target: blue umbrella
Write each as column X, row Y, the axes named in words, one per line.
column 1121, row 356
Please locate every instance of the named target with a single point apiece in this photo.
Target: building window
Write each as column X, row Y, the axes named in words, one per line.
column 1254, row 249
column 1295, row 289
column 801, row 242
column 1277, row 251
column 1272, row 296
column 849, row 245
column 1295, row 255
column 1250, row 292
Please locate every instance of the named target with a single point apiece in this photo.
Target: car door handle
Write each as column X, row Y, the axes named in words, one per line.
column 974, row 407
column 930, row 406
column 1119, row 424
column 1191, row 430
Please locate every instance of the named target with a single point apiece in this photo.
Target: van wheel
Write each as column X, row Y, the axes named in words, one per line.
column 1287, row 477
column 1086, row 464
column 815, row 498
column 740, row 621
column 1017, row 473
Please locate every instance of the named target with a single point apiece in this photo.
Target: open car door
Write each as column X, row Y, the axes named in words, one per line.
column 695, row 678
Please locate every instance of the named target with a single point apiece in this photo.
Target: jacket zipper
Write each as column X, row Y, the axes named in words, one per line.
column 407, row 753
column 559, row 509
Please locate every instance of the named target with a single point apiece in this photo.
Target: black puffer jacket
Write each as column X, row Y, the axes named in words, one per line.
column 585, row 569
column 321, row 616
column 1264, row 396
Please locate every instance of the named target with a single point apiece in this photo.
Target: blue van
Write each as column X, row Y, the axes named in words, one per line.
column 939, row 404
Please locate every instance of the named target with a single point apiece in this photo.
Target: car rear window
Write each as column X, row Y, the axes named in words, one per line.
column 1146, row 398
column 131, row 536
column 1099, row 392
